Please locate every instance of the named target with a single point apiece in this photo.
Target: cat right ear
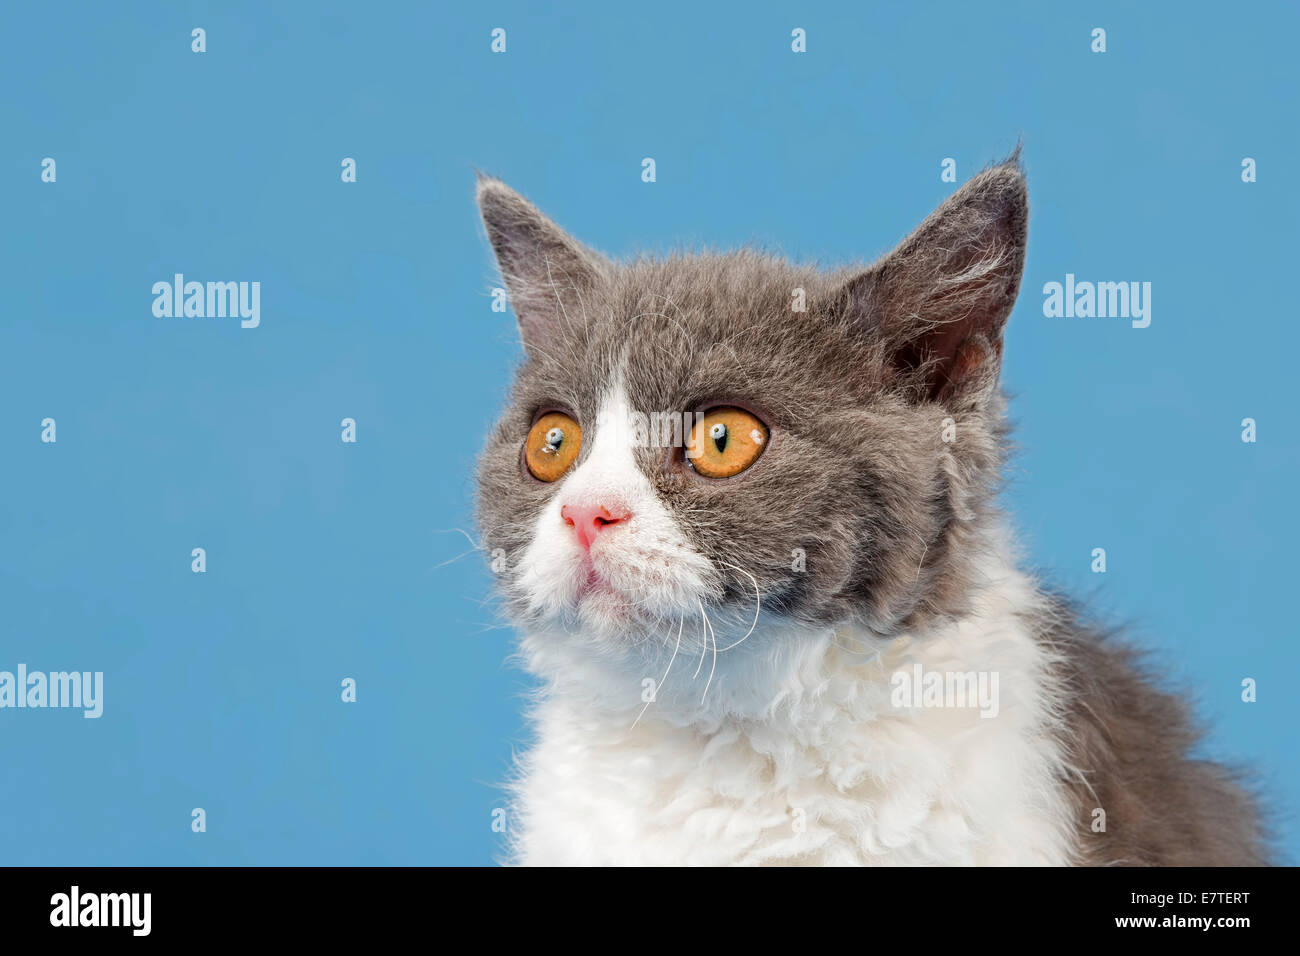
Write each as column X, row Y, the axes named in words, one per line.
column 547, row 273
column 938, row 303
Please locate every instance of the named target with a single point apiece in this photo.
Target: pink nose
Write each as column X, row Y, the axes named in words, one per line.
column 590, row 520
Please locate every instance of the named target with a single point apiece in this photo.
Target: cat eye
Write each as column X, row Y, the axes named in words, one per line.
column 552, row 445
column 725, row 441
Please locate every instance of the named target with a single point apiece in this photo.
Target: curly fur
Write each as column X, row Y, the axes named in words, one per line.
column 793, row 752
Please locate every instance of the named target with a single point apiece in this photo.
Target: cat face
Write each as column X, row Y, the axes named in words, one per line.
column 736, row 440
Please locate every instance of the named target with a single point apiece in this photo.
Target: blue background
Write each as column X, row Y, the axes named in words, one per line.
column 328, row 560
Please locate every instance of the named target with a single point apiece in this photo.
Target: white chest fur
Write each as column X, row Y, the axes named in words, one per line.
column 830, row 770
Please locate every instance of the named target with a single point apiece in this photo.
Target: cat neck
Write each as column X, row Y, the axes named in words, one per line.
column 796, row 675
column 853, row 735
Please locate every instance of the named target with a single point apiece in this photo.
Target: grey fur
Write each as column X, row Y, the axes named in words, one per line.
column 855, row 391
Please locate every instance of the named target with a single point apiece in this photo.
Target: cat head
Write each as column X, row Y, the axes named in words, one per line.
column 737, row 439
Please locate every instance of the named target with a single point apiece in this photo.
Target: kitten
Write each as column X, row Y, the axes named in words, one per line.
column 753, row 630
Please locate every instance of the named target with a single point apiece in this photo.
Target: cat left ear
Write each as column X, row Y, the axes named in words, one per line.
column 940, row 300
column 546, row 271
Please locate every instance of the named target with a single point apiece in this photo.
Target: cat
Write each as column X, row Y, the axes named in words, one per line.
column 726, row 617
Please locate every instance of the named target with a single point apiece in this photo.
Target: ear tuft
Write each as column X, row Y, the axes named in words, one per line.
column 941, row 299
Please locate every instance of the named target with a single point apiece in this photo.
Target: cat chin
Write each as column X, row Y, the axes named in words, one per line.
column 609, row 614
column 613, row 593
column 611, row 617
column 612, row 601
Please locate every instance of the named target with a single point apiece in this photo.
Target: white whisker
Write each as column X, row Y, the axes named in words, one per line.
column 704, row 633
column 663, row 680
column 477, row 546
column 463, row 554
column 715, row 662
column 758, row 604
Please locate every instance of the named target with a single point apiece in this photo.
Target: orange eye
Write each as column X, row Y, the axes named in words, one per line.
column 552, row 445
column 725, row 442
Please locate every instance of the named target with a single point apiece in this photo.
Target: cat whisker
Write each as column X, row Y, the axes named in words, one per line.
column 681, row 624
column 463, row 554
column 758, row 605
column 704, row 634
column 715, row 662
column 484, row 628
column 461, row 531
column 475, row 546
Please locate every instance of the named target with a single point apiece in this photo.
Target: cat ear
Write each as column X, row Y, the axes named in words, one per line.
column 940, row 300
column 546, row 272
